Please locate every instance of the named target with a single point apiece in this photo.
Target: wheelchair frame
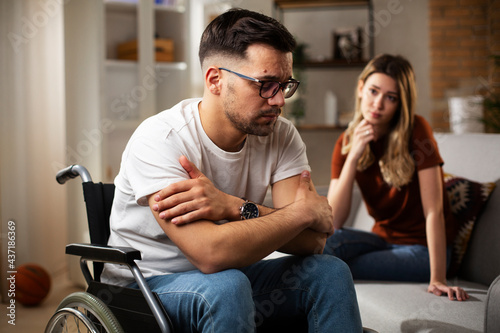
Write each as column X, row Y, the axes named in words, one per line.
column 101, row 253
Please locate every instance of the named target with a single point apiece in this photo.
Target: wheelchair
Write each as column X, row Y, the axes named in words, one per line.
column 104, row 307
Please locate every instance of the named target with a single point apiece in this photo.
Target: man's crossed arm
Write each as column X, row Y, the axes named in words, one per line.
column 186, row 211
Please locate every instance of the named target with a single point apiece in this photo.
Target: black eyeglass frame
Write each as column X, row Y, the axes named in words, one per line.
column 281, row 86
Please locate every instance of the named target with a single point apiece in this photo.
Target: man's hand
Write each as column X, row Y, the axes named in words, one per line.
column 191, row 200
column 314, row 205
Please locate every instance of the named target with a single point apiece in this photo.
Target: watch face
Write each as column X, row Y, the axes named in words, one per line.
column 249, row 211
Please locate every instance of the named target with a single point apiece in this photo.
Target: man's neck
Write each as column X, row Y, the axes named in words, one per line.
column 222, row 134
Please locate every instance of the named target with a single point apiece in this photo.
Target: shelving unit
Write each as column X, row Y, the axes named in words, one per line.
column 313, row 23
column 136, row 90
column 314, row 5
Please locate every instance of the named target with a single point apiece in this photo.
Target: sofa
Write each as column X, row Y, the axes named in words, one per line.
column 388, row 307
column 407, row 307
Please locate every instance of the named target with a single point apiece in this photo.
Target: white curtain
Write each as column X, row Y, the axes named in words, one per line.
column 32, row 131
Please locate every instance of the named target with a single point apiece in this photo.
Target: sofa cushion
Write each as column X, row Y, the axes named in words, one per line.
column 475, row 156
column 408, row 307
column 467, row 199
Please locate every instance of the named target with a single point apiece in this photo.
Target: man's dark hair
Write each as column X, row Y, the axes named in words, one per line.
column 231, row 33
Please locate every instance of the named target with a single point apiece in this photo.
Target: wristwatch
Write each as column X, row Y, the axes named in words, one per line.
column 249, row 210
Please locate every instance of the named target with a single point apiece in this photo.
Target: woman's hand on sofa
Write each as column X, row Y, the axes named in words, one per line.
column 439, row 288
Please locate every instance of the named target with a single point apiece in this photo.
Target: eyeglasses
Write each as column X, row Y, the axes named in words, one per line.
column 268, row 89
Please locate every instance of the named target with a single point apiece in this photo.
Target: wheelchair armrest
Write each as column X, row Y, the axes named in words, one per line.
column 93, row 252
column 119, row 255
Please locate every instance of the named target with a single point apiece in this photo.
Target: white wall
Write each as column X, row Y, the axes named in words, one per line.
column 84, row 126
column 261, row 6
column 406, row 32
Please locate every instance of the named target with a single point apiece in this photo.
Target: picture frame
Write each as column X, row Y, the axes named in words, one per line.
column 347, row 44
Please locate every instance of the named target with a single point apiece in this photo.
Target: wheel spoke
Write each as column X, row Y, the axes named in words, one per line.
column 83, row 312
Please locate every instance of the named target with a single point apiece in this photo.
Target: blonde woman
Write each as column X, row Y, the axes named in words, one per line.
column 393, row 157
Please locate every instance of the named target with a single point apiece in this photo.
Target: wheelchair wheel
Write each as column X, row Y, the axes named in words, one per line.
column 83, row 312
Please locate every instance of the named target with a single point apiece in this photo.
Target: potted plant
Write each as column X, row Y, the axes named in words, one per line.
column 298, row 102
column 491, row 117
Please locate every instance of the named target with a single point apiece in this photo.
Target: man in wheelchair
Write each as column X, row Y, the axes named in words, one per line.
column 189, row 194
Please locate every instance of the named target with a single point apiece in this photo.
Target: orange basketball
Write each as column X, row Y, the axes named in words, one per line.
column 32, row 284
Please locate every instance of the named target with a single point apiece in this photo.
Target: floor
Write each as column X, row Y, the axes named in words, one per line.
column 34, row 319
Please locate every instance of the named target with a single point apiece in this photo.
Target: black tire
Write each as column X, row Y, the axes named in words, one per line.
column 83, row 312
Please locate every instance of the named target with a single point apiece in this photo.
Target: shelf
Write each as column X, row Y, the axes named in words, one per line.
column 129, row 64
column 131, row 6
column 124, row 64
column 124, row 6
column 290, row 4
column 171, row 66
column 170, row 8
column 333, row 63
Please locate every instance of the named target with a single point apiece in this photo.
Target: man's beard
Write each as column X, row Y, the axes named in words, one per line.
column 253, row 127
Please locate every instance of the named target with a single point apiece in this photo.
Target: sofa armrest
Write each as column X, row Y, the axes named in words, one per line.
column 492, row 315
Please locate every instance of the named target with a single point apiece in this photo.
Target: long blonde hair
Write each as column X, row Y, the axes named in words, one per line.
column 396, row 165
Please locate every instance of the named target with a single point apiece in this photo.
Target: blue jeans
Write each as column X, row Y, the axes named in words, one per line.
column 370, row 257
column 317, row 288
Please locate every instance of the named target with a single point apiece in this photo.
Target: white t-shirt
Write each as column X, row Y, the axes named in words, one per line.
column 150, row 162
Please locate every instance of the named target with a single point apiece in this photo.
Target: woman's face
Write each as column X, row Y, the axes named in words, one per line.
column 380, row 100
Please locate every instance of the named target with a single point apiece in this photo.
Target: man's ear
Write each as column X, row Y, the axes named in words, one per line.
column 212, row 80
column 361, row 84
